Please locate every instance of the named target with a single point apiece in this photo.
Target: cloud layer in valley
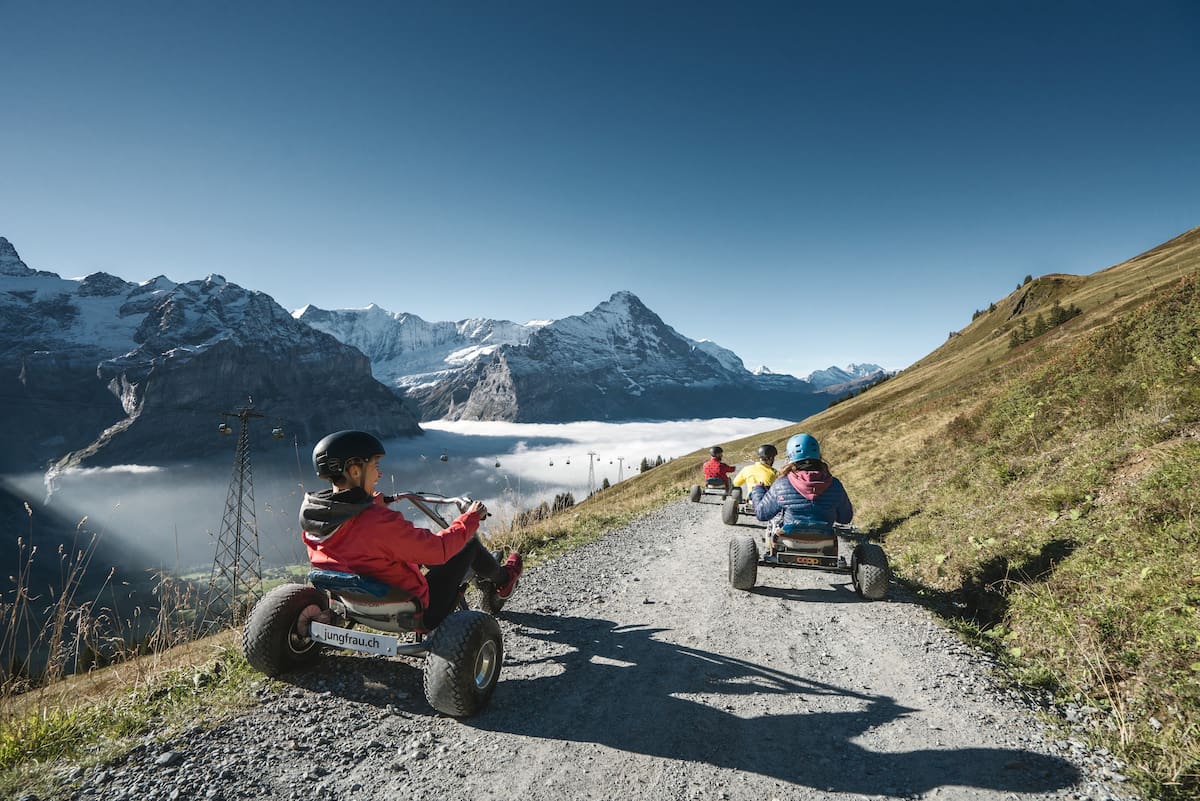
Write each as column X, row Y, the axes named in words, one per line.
column 174, row 515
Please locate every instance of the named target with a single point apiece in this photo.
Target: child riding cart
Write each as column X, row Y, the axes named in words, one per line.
column 293, row 623
column 716, row 478
column 845, row 550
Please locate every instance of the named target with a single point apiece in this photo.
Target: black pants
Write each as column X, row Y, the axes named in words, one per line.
column 446, row 580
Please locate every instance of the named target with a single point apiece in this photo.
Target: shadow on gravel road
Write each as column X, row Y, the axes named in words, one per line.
column 365, row 679
column 619, row 686
column 840, row 593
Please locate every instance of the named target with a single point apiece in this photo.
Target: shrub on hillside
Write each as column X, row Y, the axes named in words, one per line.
column 1025, row 332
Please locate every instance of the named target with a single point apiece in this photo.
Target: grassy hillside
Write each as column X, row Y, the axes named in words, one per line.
column 1049, row 490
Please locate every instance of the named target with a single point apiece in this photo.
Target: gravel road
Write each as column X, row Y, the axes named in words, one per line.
column 634, row 671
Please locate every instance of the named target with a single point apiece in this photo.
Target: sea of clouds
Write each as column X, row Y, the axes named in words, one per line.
column 174, row 515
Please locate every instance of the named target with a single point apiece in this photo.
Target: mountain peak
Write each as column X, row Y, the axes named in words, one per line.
column 626, row 298
column 863, row 369
column 10, row 262
column 103, row 285
column 623, row 315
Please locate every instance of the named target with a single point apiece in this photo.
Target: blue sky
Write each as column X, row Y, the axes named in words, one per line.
column 807, row 184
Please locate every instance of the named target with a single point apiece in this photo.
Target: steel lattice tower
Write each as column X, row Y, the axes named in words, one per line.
column 237, row 569
column 591, row 473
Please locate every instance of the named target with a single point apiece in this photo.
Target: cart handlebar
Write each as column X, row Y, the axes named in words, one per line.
column 424, row 500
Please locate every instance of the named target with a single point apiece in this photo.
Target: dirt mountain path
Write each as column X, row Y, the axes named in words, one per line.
column 633, row 671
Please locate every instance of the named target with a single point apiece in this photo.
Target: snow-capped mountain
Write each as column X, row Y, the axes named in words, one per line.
column 406, row 351
column 832, row 377
column 99, row 370
column 727, row 358
column 619, row 361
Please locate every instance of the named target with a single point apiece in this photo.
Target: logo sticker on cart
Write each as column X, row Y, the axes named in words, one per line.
column 353, row 640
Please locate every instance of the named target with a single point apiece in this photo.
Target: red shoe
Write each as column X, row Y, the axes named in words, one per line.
column 514, row 564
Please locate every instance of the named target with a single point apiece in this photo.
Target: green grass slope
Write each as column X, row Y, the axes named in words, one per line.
column 1051, row 489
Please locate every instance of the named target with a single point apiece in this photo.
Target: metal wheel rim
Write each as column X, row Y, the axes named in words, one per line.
column 485, row 665
column 298, row 643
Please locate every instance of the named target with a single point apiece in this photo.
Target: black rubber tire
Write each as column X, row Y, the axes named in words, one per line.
column 270, row 641
column 463, row 665
column 696, row 493
column 871, row 571
column 729, row 511
column 736, row 494
column 743, row 562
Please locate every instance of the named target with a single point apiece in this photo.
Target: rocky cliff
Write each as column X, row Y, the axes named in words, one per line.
column 101, row 371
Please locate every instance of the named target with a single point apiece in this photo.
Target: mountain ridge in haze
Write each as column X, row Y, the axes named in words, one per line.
column 618, row 361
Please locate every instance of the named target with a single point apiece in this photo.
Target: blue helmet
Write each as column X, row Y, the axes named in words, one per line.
column 803, row 447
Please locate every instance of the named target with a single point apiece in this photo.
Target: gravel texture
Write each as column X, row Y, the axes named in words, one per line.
column 634, row 671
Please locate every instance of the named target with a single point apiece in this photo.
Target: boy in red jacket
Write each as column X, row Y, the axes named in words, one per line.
column 349, row 527
column 715, row 468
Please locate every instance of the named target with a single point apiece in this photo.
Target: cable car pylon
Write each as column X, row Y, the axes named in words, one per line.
column 236, row 578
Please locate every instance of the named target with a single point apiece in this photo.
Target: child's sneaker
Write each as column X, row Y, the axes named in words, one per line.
column 513, row 564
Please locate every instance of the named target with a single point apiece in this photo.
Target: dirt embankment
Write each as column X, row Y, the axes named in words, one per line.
column 634, row 671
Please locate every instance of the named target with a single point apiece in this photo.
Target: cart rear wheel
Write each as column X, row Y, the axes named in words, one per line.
column 870, row 571
column 275, row 636
column 696, row 493
column 743, row 562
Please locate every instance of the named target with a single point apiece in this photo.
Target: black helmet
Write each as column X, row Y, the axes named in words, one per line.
column 767, row 452
column 716, row 451
column 338, row 450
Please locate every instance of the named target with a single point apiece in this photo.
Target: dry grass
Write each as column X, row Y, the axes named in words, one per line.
column 97, row 686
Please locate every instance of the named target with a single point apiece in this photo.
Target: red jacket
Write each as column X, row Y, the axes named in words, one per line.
column 354, row 534
column 715, row 468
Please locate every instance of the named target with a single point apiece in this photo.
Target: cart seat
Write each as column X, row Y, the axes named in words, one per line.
column 808, row 540
column 371, row 601
column 714, row 482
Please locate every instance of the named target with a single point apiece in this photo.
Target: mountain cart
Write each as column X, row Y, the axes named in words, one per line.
column 714, row 486
column 845, row 550
column 293, row 623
